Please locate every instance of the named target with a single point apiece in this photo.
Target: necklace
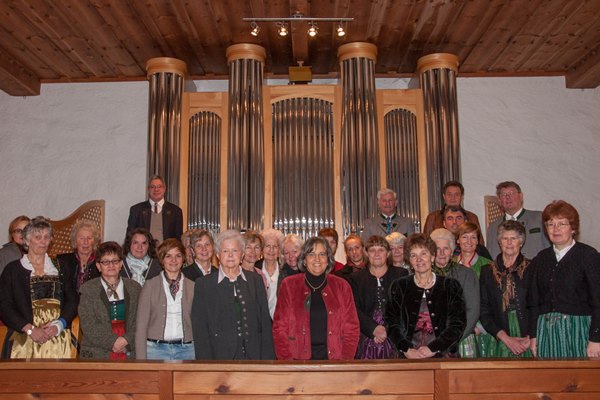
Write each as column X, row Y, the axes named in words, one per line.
column 428, row 284
column 313, row 287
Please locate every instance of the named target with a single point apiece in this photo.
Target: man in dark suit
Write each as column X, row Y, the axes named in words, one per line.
column 162, row 218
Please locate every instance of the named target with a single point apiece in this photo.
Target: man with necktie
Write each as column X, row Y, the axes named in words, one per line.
column 163, row 219
column 388, row 220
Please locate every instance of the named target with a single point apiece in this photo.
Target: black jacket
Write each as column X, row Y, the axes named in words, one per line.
column 492, row 316
column 364, row 289
column 214, row 321
column 15, row 297
column 172, row 217
column 446, row 308
column 69, row 264
column 192, row 271
column 570, row 286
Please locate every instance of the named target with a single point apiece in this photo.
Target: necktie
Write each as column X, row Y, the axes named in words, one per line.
column 389, row 225
column 155, row 208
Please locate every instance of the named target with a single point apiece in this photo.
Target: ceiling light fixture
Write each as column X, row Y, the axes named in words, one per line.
column 282, row 27
column 283, row 30
column 313, row 30
column 255, row 28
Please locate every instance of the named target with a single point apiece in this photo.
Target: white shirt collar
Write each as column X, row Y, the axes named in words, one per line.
column 160, row 203
column 223, row 276
column 561, row 253
column 202, row 270
column 49, row 268
column 514, row 216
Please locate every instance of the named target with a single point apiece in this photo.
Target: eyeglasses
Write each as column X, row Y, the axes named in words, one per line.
column 106, row 263
column 312, row 256
column 156, row 186
column 556, row 225
column 507, row 194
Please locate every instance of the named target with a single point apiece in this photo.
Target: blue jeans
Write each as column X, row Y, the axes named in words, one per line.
column 164, row 351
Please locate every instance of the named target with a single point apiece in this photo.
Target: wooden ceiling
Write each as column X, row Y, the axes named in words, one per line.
column 95, row 40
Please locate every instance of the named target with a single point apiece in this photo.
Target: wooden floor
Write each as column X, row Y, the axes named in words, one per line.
column 404, row 380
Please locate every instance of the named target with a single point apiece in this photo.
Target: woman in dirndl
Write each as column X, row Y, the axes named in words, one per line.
column 370, row 286
column 564, row 299
column 108, row 308
column 504, row 285
column 38, row 300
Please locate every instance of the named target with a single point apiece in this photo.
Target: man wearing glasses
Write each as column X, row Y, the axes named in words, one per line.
column 511, row 202
column 163, row 219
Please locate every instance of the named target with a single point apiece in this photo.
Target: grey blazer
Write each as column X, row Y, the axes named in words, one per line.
column 470, row 285
column 377, row 226
column 152, row 313
column 535, row 238
column 94, row 314
column 9, row 252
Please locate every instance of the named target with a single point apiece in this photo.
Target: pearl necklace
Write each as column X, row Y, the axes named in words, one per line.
column 428, row 284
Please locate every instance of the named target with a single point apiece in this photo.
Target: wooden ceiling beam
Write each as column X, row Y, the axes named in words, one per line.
column 585, row 75
column 15, row 78
column 298, row 32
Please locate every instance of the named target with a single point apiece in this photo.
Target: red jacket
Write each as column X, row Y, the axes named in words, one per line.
column 291, row 322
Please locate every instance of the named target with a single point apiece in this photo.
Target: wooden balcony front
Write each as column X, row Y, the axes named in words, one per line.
column 404, row 380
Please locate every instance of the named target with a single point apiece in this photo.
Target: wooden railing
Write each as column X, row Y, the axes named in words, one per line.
column 404, row 380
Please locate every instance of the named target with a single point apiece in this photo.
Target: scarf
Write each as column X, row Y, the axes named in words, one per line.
column 111, row 290
column 174, row 284
column 443, row 271
column 138, row 267
column 505, row 277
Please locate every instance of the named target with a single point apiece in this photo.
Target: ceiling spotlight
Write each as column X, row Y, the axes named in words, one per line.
column 340, row 30
column 283, row 30
column 255, row 28
column 313, row 30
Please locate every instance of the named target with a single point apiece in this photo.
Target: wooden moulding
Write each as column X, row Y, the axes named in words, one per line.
column 165, row 64
column 246, row 51
column 357, row 50
column 437, row 60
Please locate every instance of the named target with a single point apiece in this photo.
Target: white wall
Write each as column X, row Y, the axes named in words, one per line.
column 77, row 142
column 537, row 133
column 72, row 143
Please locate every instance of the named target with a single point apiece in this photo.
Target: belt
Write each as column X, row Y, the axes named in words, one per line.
column 176, row 341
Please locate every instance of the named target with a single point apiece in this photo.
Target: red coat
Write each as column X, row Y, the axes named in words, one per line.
column 291, row 322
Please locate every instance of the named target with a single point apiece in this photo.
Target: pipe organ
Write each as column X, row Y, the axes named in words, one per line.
column 303, row 157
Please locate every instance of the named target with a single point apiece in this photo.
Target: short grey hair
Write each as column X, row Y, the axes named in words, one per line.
column 37, row 224
column 230, row 234
column 444, row 234
column 396, row 239
column 198, row 234
column 84, row 224
column 514, row 226
column 384, row 191
column 309, row 246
